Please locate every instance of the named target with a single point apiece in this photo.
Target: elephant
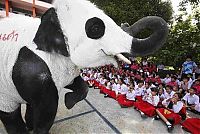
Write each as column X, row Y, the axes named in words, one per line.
column 41, row 56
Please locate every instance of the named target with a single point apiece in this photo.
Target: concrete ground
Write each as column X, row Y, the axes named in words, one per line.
column 97, row 114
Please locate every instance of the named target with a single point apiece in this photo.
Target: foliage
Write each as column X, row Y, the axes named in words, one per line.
column 184, row 37
column 132, row 10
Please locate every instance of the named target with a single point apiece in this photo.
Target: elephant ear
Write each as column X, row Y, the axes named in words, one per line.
column 49, row 36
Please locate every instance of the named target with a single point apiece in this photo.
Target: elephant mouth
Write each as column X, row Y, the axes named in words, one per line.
column 121, row 56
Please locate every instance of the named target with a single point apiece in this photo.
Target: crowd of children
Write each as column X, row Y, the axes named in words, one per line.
column 140, row 86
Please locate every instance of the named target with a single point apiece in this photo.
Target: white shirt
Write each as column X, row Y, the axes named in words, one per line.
column 177, row 107
column 167, row 80
column 102, row 81
column 122, row 89
column 148, row 90
column 194, row 99
column 85, row 78
column 154, row 100
column 108, row 85
column 162, row 96
column 197, row 107
column 184, row 87
column 114, row 87
column 138, row 91
column 130, row 95
column 167, row 96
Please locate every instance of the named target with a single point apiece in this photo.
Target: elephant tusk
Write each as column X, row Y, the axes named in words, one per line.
column 121, row 57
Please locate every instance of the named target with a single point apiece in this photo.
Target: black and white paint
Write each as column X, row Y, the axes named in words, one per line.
column 40, row 57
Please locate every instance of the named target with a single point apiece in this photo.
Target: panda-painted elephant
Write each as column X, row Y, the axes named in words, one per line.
column 39, row 57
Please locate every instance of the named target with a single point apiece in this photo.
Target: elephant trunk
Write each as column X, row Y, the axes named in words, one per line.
column 143, row 47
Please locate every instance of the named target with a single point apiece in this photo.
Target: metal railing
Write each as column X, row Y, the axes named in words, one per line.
column 28, row 7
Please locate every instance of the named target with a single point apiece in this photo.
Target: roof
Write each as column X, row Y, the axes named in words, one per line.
column 26, row 6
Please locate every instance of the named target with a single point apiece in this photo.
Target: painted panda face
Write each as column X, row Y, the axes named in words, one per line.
column 93, row 37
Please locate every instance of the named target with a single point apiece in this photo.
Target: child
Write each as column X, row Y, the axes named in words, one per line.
column 168, row 95
column 167, row 79
column 196, row 85
column 148, row 104
column 191, row 100
column 121, row 87
column 128, row 99
column 173, row 81
column 185, row 85
column 146, row 89
column 172, row 114
column 112, row 87
column 139, row 90
column 130, row 95
column 161, row 96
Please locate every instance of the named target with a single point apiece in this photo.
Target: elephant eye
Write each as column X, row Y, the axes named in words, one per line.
column 94, row 28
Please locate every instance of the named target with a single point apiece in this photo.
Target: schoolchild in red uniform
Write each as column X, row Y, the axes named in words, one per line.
column 168, row 95
column 139, row 88
column 173, row 82
column 128, row 99
column 173, row 113
column 161, row 96
column 148, row 104
column 111, row 89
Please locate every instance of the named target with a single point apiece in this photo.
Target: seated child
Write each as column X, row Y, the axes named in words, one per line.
column 130, row 95
column 121, row 87
column 191, row 100
column 173, row 82
column 173, row 113
column 128, row 99
column 147, row 88
column 196, row 85
column 168, row 95
column 185, row 85
column 109, row 91
column 139, row 90
column 148, row 104
column 161, row 96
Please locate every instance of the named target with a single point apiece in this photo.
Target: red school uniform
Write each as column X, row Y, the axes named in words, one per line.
column 197, row 87
column 172, row 83
column 148, row 105
column 192, row 125
column 123, row 101
column 174, row 113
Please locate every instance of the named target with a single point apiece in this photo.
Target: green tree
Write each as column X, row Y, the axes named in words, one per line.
column 132, row 10
column 184, row 37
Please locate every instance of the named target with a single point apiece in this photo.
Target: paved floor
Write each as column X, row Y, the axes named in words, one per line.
column 97, row 114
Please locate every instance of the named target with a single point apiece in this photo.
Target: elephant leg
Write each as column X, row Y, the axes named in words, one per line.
column 44, row 113
column 13, row 122
column 33, row 81
column 80, row 90
column 29, row 117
